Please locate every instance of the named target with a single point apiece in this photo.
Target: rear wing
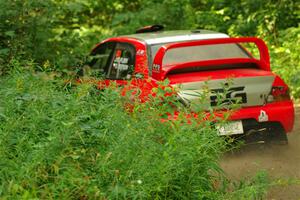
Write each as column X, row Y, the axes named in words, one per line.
column 159, row 72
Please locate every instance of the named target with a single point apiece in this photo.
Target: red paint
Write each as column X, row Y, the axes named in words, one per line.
column 263, row 63
column 282, row 112
column 218, row 74
column 279, row 111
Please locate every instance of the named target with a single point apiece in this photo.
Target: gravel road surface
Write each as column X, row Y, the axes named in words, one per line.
column 281, row 162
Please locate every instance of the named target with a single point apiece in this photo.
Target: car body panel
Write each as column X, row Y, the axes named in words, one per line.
column 259, row 81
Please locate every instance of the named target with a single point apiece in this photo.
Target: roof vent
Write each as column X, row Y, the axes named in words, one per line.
column 148, row 29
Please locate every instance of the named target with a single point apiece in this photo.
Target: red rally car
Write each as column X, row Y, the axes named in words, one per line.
column 191, row 60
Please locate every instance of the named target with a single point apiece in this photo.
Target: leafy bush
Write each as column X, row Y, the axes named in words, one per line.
column 59, row 142
column 57, row 34
column 62, row 142
column 285, row 58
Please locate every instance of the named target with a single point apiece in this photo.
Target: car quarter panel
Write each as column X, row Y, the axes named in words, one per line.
column 282, row 112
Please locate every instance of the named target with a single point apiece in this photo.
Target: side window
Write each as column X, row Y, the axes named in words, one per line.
column 100, row 59
column 123, row 62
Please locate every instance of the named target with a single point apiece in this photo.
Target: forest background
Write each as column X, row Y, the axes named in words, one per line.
column 58, row 141
column 59, row 33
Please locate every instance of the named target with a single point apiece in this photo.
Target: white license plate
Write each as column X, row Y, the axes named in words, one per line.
column 231, row 128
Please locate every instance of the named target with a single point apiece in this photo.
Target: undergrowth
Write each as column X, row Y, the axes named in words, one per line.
column 64, row 142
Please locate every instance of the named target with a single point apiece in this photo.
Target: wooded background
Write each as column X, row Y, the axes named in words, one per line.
column 64, row 141
column 59, row 33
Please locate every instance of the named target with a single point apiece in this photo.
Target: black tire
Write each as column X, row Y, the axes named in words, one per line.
column 276, row 134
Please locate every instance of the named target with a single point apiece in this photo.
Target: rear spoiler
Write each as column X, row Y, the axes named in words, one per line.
column 159, row 72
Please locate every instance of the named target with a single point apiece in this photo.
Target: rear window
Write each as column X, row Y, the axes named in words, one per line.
column 202, row 52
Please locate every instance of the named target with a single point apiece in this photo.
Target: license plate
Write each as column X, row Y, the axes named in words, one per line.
column 231, row 128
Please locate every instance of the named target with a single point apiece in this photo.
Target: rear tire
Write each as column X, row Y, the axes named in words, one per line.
column 276, row 134
column 266, row 132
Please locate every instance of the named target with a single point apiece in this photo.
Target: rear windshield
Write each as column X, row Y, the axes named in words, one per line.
column 202, row 52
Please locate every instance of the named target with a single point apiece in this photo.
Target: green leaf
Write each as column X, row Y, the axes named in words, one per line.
column 10, row 33
column 4, row 51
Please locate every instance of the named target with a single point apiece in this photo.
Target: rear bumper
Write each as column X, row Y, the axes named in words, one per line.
column 282, row 112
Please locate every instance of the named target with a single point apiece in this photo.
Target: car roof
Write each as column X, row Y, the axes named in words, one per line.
column 160, row 37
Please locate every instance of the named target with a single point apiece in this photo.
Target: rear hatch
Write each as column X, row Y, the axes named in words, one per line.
column 248, row 87
column 223, row 70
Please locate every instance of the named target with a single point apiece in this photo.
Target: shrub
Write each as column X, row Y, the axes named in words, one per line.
column 59, row 142
column 285, row 59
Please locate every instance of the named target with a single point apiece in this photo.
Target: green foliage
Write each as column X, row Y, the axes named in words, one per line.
column 59, row 142
column 24, row 29
column 285, row 59
column 251, row 188
column 64, row 143
column 57, row 34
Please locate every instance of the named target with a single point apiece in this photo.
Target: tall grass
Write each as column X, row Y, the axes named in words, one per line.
column 59, row 142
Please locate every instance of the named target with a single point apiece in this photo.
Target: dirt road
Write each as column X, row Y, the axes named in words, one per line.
column 281, row 162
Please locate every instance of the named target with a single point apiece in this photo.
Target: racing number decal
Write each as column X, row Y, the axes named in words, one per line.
column 156, row 67
column 233, row 95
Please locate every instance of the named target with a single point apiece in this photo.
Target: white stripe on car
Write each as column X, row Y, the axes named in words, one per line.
column 185, row 38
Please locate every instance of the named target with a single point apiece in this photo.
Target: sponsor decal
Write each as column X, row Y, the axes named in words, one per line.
column 121, row 63
column 263, row 117
column 140, row 52
column 156, row 67
column 118, row 53
column 121, row 60
column 233, row 95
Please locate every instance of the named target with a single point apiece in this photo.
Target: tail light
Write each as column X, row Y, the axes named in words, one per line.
column 279, row 93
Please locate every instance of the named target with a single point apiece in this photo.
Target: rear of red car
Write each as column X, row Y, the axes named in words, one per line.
column 239, row 67
column 236, row 68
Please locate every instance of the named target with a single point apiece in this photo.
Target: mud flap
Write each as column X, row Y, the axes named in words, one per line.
column 276, row 134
